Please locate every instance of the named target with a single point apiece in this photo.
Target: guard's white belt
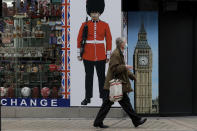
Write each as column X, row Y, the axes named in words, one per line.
column 94, row 41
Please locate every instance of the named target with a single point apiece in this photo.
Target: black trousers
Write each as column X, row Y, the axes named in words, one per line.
column 125, row 104
column 89, row 73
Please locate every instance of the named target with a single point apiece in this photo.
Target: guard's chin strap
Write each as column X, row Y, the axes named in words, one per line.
column 86, row 17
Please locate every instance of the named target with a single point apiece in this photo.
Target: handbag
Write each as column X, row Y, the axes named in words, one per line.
column 115, row 90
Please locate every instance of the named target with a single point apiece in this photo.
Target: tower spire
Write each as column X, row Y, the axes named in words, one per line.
column 142, row 36
column 142, row 29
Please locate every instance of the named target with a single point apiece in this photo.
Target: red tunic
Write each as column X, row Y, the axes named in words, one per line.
column 95, row 49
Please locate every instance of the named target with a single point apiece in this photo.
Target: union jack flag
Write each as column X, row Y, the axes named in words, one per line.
column 68, row 15
column 65, row 20
column 63, row 38
column 63, row 16
column 63, row 60
column 68, row 37
column 63, row 84
column 68, row 85
column 68, row 60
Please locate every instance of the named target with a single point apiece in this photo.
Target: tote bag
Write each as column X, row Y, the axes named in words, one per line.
column 115, row 90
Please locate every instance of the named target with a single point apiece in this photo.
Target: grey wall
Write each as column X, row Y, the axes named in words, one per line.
column 67, row 112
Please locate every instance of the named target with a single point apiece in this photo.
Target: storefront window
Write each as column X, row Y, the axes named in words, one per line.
column 31, row 49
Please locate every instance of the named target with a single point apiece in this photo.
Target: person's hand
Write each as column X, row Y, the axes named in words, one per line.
column 129, row 67
column 107, row 60
column 79, row 58
column 134, row 78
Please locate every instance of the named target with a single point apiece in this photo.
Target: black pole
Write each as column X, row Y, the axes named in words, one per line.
column 194, row 68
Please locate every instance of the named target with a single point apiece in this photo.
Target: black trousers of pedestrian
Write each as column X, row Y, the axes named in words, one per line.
column 125, row 104
column 89, row 74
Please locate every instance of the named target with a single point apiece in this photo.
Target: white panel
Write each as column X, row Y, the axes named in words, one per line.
column 111, row 15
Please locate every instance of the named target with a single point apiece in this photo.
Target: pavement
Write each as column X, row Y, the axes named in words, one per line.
column 188, row 123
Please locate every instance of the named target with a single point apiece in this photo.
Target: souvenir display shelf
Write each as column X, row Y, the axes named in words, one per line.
column 31, row 56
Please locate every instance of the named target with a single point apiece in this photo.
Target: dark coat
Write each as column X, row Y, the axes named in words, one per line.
column 118, row 70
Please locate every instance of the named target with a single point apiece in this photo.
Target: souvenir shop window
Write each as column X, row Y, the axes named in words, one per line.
column 30, row 49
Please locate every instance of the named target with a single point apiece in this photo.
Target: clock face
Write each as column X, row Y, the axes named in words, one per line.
column 143, row 60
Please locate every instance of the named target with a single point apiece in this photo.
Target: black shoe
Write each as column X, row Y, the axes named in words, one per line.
column 140, row 122
column 85, row 101
column 101, row 125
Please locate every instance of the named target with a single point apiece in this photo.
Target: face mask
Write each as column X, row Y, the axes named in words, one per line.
column 125, row 47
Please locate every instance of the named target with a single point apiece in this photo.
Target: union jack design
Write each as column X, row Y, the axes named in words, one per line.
column 68, row 15
column 68, row 85
column 63, row 38
column 66, row 49
column 68, row 37
column 63, row 15
column 68, row 60
column 63, row 84
column 63, row 60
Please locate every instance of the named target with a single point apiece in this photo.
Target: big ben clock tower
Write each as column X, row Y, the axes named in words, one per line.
column 143, row 71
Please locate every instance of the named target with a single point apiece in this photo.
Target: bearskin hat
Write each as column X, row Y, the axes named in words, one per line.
column 95, row 6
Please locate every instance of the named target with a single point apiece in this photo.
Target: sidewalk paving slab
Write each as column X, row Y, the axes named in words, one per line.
column 83, row 124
